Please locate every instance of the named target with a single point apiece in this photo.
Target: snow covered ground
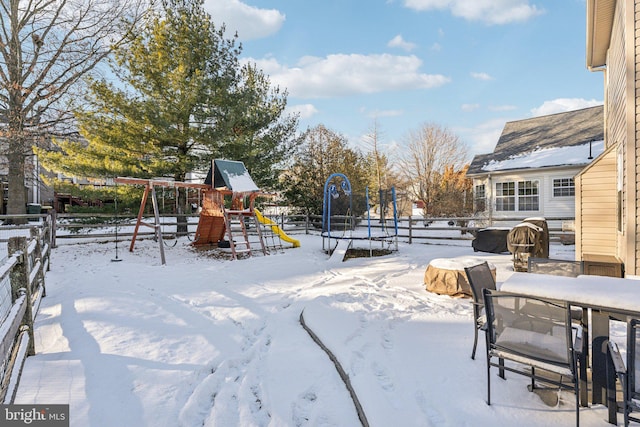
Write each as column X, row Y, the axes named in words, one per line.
column 207, row 341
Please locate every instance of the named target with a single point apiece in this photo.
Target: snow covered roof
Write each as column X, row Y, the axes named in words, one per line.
column 232, row 175
column 546, row 157
column 563, row 139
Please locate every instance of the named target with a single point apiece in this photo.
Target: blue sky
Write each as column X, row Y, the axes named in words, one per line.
column 467, row 65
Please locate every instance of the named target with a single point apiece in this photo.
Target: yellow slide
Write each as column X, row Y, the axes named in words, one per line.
column 276, row 229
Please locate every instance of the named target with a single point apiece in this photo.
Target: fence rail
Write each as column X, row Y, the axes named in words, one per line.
column 412, row 229
column 22, row 286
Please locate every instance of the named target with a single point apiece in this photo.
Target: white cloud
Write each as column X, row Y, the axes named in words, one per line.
column 304, row 110
column 481, row 76
column 488, row 11
column 482, row 139
column 250, row 22
column 436, row 47
column 561, row 105
column 401, row 43
column 342, row 75
column 469, row 107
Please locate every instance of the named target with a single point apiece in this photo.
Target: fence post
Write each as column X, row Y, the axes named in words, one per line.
column 47, row 236
column 410, row 230
column 20, row 279
column 306, row 224
column 37, row 235
column 54, row 217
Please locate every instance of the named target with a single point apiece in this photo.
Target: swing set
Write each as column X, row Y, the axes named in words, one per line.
column 226, row 180
column 150, row 189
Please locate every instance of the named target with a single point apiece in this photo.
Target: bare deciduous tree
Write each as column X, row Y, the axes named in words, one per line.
column 372, row 139
column 47, row 47
column 429, row 151
column 385, row 178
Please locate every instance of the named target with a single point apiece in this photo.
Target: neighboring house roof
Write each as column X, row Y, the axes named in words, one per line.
column 563, row 139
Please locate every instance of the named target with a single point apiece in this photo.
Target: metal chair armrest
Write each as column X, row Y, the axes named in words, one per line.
column 616, row 357
column 577, row 344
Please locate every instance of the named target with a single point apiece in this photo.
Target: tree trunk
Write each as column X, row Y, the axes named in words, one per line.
column 17, row 203
column 182, row 229
column 17, row 200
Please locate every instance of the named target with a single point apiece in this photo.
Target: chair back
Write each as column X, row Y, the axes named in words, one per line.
column 480, row 277
column 556, row 267
column 529, row 327
column 633, row 357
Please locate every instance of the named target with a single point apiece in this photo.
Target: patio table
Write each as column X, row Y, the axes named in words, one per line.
column 605, row 297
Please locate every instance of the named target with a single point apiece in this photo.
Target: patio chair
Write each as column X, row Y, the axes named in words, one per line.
column 556, row 267
column 629, row 374
column 545, row 343
column 479, row 277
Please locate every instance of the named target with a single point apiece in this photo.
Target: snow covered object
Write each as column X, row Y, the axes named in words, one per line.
column 530, row 238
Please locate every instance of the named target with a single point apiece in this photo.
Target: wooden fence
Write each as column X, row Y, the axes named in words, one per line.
column 22, row 285
column 410, row 229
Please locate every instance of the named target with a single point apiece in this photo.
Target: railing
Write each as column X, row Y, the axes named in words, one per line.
column 410, row 229
column 22, row 286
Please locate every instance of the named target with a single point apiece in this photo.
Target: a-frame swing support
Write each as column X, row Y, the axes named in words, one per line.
column 150, row 187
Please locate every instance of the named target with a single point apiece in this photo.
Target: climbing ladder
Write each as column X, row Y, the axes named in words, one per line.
column 231, row 219
column 272, row 241
column 235, row 223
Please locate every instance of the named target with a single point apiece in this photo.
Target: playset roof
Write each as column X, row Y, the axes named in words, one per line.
column 232, row 175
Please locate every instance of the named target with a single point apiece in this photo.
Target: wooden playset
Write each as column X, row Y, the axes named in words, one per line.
column 228, row 180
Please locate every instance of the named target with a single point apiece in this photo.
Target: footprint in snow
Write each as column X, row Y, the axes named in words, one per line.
column 387, row 342
column 301, row 409
column 383, row 377
column 430, row 412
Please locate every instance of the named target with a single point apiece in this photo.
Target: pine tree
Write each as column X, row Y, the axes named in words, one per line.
column 181, row 99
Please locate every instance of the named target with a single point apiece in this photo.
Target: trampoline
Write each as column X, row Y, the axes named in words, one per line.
column 338, row 187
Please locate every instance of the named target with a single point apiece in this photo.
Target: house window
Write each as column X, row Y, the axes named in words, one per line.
column 563, row 187
column 505, row 196
column 528, row 199
column 525, row 193
column 479, row 198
